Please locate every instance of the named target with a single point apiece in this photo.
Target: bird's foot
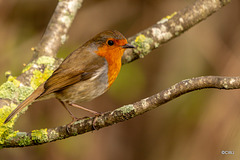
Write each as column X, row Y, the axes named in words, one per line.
column 95, row 120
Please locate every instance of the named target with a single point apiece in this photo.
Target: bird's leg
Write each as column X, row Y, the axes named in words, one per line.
column 71, row 114
column 74, row 118
column 88, row 110
column 85, row 109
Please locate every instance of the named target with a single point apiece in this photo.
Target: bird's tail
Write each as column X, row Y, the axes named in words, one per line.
column 37, row 93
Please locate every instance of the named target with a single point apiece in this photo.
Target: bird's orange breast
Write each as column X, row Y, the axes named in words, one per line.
column 113, row 56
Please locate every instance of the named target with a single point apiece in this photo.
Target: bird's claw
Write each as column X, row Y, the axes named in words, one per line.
column 74, row 119
column 95, row 120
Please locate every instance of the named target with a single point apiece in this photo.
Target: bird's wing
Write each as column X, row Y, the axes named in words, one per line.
column 79, row 68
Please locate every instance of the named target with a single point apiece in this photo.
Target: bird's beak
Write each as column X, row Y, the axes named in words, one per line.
column 128, row 46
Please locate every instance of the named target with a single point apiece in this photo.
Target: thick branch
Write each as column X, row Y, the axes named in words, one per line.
column 56, row 32
column 124, row 113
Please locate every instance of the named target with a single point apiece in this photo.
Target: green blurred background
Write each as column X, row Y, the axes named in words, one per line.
column 199, row 125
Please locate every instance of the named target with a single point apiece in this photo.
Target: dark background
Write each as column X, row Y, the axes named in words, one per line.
column 199, row 125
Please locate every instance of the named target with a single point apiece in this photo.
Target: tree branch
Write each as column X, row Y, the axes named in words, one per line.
column 56, row 32
column 17, row 89
column 123, row 113
column 170, row 27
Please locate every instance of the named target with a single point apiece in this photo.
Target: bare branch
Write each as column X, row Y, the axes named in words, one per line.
column 56, row 32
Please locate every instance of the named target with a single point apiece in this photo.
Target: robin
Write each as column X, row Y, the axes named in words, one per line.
column 85, row 74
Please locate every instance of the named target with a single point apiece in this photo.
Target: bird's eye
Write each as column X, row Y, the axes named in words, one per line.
column 110, row 42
